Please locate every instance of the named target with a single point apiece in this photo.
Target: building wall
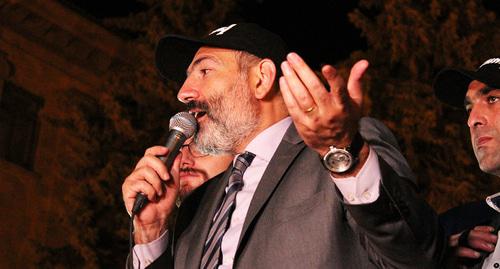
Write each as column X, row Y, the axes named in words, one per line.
column 47, row 50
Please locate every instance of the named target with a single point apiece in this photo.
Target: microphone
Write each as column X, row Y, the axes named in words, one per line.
column 182, row 126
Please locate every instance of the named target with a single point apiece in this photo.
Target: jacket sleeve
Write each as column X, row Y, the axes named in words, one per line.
column 165, row 261
column 383, row 141
column 399, row 229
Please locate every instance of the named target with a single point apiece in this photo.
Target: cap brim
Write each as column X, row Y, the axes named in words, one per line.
column 451, row 85
column 174, row 54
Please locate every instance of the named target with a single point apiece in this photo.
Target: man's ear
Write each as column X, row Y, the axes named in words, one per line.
column 266, row 74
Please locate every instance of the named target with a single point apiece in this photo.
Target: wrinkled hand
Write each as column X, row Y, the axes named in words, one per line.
column 480, row 239
column 161, row 187
column 323, row 118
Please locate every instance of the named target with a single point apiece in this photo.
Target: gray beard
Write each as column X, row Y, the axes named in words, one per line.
column 231, row 119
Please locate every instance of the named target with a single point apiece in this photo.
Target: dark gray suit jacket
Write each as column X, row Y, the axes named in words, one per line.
column 297, row 218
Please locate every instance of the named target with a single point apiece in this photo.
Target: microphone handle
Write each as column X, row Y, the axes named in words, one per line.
column 174, row 144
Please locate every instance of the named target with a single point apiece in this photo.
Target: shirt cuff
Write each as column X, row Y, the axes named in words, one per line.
column 145, row 254
column 364, row 187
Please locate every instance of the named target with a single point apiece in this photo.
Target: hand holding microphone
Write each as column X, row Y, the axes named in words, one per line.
column 182, row 126
column 152, row 178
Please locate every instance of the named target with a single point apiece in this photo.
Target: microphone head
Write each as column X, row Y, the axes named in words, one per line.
column 184, row 122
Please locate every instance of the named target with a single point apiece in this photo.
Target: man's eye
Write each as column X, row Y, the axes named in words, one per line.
column 204, row 71
column 492, row 99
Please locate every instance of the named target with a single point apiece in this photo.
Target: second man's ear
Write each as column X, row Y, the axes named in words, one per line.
column 266, row 77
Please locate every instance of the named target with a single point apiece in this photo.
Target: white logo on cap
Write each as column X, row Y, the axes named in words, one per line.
column 491, row 61
column 222, row 30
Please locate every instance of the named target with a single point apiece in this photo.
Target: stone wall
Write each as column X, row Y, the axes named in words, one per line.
column 46, row 49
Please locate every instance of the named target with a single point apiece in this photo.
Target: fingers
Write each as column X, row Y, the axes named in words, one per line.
column 453, row 240
column 322, row 117
column 479, row 239
column 303, row 99
column 308, row 90
column 306, row 80
column 354, row 84
column 488, row 229
column 156, row 150
column 150, row 159
column 306, row 75
column 337, row 84
column 147, row 178
column 482, row 240
column 292, row 105
column 145, row 181
column 464, row 252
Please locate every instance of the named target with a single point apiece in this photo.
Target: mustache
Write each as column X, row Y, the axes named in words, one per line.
column 198, row 105
column 189, row 169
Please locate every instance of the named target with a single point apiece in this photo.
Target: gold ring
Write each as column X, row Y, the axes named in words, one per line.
column 310, row 109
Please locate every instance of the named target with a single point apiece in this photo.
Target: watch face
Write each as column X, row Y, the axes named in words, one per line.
column 494, row 201
column 338, row 160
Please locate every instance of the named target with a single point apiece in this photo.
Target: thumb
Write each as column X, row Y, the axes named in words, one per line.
column 354, row 84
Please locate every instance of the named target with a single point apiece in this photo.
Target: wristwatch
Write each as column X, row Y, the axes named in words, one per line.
column 340, row 160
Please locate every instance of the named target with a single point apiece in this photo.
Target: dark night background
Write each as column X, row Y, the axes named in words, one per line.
column 83, row 72
column 318, row 30
column 332, row 39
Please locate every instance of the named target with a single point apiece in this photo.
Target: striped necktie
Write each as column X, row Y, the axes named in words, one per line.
column 212, row 252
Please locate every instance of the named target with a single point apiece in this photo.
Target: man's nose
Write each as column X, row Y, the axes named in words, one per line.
column 188, row 92
column 477, row 116
column 187, row 158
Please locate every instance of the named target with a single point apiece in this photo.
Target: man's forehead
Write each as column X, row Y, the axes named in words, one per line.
column 215, row 54
column 214, row 51
column 475, row 87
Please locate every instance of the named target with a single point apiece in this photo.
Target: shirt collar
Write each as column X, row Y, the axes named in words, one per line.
column 264, row 145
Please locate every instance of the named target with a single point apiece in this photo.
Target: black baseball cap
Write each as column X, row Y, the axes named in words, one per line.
column 450, row 85
column 174, row 53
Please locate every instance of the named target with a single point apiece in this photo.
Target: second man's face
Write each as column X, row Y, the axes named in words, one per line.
column 483, row 106
column 196, row 168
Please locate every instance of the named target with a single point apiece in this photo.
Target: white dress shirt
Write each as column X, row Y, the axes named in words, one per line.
column 364, row 188
column 492, row 261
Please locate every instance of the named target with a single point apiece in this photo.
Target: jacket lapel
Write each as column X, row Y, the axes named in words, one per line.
column 197, row 233
column 287, row 151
